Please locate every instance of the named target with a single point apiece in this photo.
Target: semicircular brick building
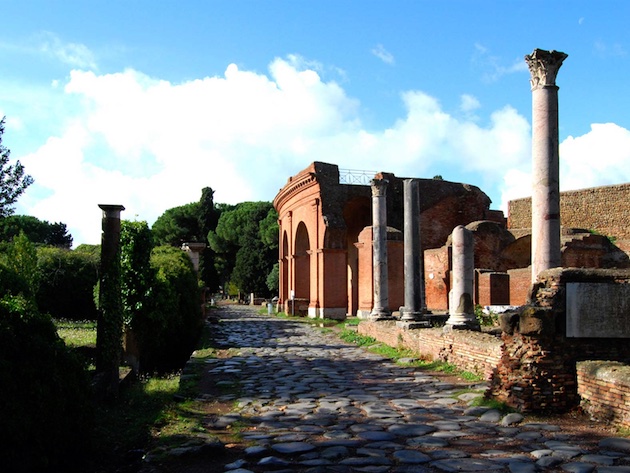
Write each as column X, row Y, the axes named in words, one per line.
column 325, row 237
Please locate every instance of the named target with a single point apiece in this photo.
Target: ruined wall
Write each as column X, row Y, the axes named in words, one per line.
column 604, row 388
column 471, row 351
column 604, row 209
column 537, row 370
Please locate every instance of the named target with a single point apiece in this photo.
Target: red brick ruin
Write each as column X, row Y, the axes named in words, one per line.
column 560, row 258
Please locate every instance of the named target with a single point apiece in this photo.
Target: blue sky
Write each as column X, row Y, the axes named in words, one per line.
column 144, row 103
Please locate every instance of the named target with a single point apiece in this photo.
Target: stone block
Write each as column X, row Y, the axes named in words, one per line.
column 598, row 310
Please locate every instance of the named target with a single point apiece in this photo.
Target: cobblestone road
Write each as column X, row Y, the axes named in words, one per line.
column 316, row 404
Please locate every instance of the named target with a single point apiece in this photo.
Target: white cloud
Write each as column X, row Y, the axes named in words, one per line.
column 600, row 157
column 494, row 67
column 51, row 46
column 597, row 158
column 150, row 144
column 71, row 54
column 383, row 54
column 468, row 103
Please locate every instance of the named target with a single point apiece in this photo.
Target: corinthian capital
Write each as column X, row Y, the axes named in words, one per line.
column 544, row 66
column 379, row 187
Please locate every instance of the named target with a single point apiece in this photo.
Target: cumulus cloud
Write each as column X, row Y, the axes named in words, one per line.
column 150, row 144
column 597, row 158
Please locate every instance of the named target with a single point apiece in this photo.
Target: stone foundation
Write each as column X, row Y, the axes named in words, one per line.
column 471, row 351
column 537, row 370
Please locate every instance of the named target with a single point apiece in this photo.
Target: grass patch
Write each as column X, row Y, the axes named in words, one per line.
column 133, row 419
column 502, row 407
column 396, row 354
column 77, row 333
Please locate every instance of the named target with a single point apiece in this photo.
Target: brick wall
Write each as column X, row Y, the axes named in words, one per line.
column 604, row 209
column 537, row 371
column 604, row 388
column 471, row 351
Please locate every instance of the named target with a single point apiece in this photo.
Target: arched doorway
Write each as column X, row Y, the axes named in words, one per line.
column 302, row 258
column 284, row 268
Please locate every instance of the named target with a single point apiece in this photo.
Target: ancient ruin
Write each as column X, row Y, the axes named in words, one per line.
column 342, row 253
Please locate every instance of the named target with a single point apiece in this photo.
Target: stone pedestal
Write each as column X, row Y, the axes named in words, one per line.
column 381, row 310
column 544, row 66
column 461, row 307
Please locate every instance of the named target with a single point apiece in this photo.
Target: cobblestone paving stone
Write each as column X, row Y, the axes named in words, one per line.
column 315, row 404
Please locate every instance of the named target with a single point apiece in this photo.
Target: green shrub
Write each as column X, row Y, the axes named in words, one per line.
column 66, row 285
column 45, row 395
column 166, row 333
column 13, row 283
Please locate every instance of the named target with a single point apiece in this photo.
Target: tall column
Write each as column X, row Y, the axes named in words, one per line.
column 413, row 256
column 110, row 318
column 461, row 309
column 544, row 66
column 380, row 310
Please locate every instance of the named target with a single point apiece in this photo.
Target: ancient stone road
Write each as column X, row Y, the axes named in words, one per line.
column 315, row 404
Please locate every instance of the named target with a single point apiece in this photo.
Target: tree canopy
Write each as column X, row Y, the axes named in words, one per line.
column 246, row 241
column 37, row 231
column 178, row 225
column 13, row 180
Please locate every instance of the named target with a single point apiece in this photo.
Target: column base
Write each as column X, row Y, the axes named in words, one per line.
column 408, row 315
column 380, row 314
column 462, row 322
column 413, row 324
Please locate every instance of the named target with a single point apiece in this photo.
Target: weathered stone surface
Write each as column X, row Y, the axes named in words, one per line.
column 293, row 447
column 617, row 444
column 468, row 464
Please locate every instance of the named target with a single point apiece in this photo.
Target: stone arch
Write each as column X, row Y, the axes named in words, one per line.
column 302, row 260
column 284, row 267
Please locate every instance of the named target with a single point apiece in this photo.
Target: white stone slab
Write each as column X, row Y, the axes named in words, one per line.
column 598, row 310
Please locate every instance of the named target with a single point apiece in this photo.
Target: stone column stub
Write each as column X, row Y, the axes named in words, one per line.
column 380, row 310
column 461, row 307
column 546, row 247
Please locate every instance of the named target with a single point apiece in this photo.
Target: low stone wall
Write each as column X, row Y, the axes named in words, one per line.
column 604, row 389
column 471, row 351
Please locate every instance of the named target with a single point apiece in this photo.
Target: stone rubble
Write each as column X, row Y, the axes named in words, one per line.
column 312, row 403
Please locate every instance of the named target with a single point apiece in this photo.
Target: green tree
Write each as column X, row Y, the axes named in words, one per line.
column 22, row 258
column 45, row 397
column 273, row 279
column 178, row 225
column 246, row 238
column 67, row 280
column 208, row 218
column 168, row 333
column 137, row 276
column 37, row 231
column 13, row 180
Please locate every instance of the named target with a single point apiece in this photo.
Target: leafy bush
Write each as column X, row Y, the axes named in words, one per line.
column 66, row 285
column 169, row 322
column 45, row 395
column 12, row 283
